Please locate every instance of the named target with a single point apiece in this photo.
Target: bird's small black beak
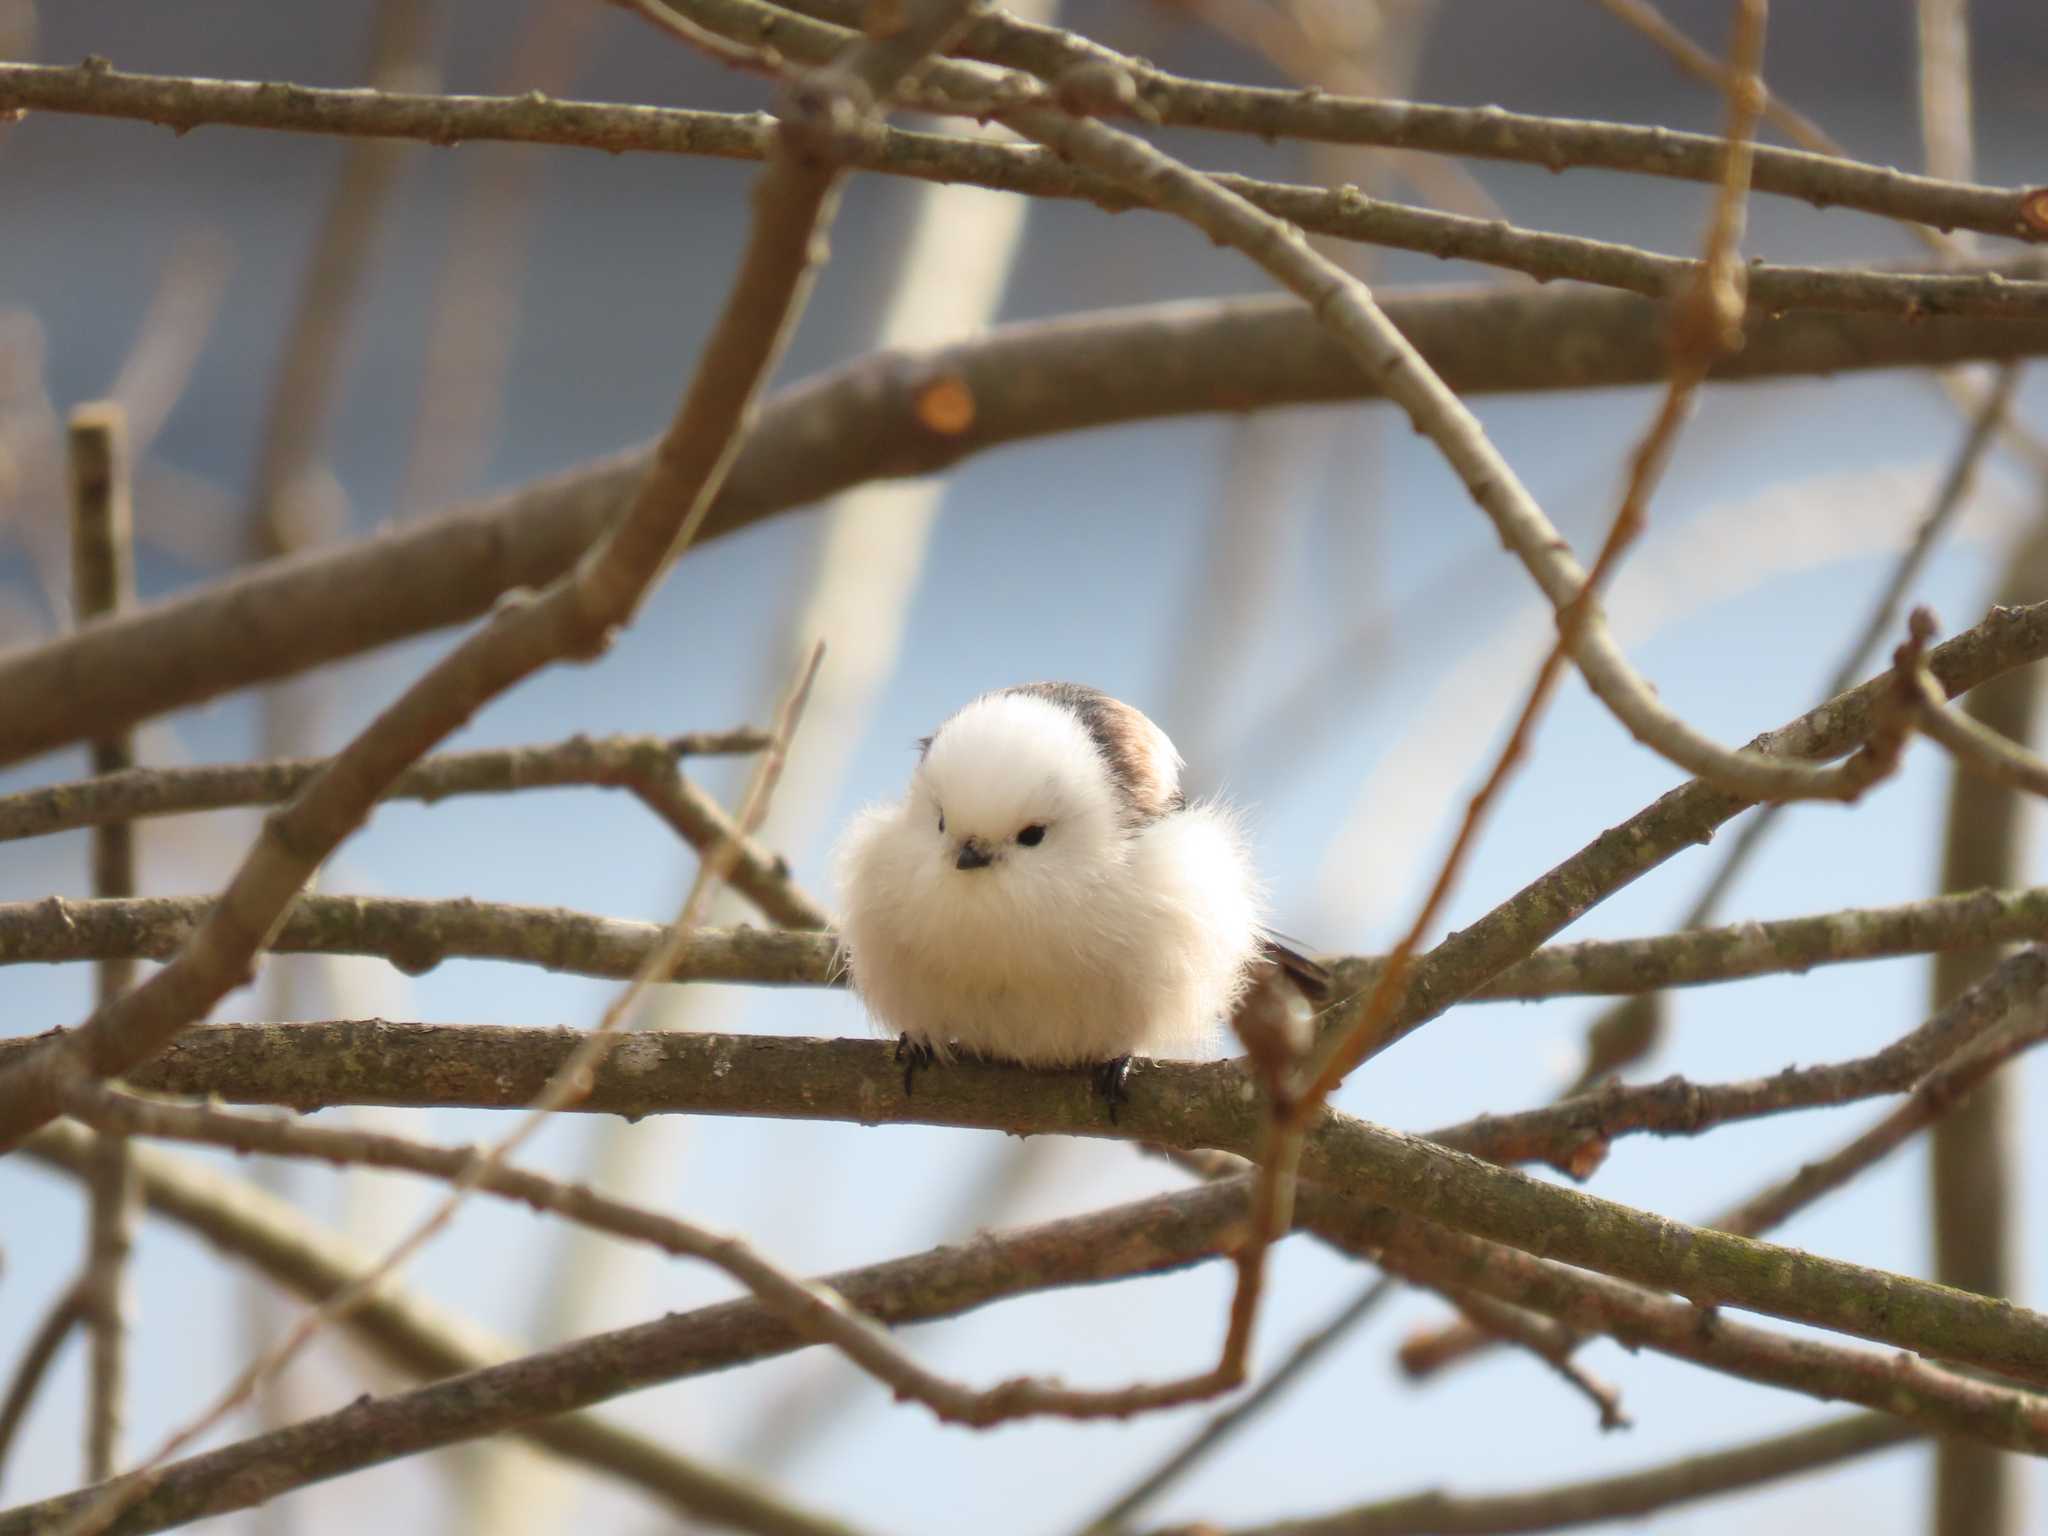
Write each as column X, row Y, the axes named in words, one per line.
column 974, row 854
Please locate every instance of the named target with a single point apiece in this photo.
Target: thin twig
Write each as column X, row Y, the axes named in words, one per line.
column 1708, row 1475
column 1310, row 1348
column 644, row 765
column 173, row 332
column 1146, row 1237
column 142, row 792
column 411, row 1333
column 1484, row 132
column 68, row 1311
column 573, row 616
column 1976, row 747
column 1573, row 1134
column 103, row 582
column 1343, row 212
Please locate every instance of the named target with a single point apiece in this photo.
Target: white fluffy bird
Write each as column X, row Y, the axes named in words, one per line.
column 1044, row 893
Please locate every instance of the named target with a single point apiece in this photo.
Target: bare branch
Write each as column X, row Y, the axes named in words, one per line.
column 411, row 1333
column 573, row 617
column 416, row 935
column 1904, row 1385
column 1310, row 1348
column 1482, row 132
column 1173, row 1104
column 864, row 421
column 1343, row 212
column 66, row 1313
column 1147, row 1237
column 1573, row 1135
column 1705, row 1476
column 103, row 582
column 141, row 792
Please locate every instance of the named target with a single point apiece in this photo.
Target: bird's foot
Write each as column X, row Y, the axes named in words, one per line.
column 1112, row 1080
column 916, row 1055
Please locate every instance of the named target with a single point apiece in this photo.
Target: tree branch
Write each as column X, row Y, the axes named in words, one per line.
column 1705, row 1476
column 1486, row 132
column 645, row 765
column 412, row 1334
column 863, row 421
column 1174, row 1104
column 1572, row 1135
column 1150, row 1236
column 573, row 617
column 103, row 582
column 418, row 934
column 1344, row 212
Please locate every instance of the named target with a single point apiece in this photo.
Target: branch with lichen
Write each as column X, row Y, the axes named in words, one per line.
column 1175, row 1104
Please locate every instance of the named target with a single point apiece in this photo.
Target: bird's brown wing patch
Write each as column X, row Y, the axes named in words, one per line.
column 1140, row 758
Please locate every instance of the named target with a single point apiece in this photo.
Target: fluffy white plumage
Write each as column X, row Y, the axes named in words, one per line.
column 1043, row 894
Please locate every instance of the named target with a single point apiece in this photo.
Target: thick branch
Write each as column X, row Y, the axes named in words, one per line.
column 863, row 421
column 1172, row 1104
column 1937, row 1399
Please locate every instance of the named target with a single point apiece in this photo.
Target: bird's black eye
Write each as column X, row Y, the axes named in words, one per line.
column 1032, row 835
column 942, row 821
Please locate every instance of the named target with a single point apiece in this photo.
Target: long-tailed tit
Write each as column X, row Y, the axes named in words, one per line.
column 1044, row 893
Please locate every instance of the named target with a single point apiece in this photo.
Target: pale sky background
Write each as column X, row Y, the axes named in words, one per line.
column 1076, row 559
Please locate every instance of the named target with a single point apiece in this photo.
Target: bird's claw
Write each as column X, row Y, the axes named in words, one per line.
column 915, row 1056
column 1112, row 1080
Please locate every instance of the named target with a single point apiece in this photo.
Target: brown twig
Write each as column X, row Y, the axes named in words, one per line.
column 1482, row 132
column 1708, row 1475
column 572, row 617
column 864, row 420
column 67, row 1312
column 103, row 581
column 1904, row 1385
column 411, row 1333
column 1573, row 1134
column 1939, row 1093
column 1343, row 212
column 1310, row 1348
column 645, row 765
column 1147, row 1237
column 141, row 792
